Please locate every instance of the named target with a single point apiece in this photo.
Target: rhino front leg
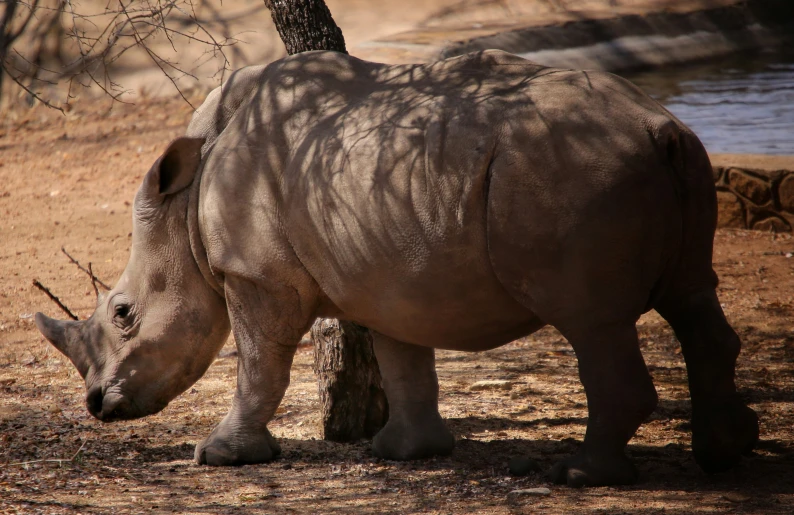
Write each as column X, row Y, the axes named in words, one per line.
column 267, row 327
column 620, row 395
column 415, row 429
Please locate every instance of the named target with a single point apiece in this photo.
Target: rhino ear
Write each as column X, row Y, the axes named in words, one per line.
column 175, row 169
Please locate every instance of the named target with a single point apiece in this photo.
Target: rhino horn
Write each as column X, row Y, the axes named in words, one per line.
column 62, row 335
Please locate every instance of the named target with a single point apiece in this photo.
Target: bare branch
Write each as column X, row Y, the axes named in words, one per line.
column 70, row 460
column 55, row 299
column 94, row 279
column 28, row 90
column 98, row 39
column 154, row 57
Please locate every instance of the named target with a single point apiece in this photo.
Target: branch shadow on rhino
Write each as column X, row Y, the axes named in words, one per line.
column 392, row 138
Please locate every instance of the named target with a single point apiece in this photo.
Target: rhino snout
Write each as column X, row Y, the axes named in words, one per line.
column 108, row 407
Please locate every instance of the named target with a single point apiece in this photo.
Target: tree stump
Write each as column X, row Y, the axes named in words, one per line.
column 353, row 402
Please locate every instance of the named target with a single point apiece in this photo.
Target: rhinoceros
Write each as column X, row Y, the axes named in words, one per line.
column 455, row 205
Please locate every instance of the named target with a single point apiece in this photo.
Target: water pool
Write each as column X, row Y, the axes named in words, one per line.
column 741, row 104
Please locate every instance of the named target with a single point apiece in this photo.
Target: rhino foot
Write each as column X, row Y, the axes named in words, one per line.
column 226, row 447
column 583, row 470
column 402, row 440
column 721, row 434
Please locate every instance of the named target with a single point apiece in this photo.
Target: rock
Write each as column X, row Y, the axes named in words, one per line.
column 773, row 224
column 749, row 186
column 528, row 492
column 491, row 384
column 786, row 193
column 736, row 497
column 718, row 172
column 730, row 211
column 521, row 466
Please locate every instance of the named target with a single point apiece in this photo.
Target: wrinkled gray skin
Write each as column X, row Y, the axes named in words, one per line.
column 456, row 205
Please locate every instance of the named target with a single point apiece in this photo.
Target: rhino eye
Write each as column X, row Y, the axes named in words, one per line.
column 121, row 311
column 124, row 317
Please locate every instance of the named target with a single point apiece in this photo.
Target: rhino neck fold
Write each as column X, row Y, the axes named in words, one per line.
column 197, row 247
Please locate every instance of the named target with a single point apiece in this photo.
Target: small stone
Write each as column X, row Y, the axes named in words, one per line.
column 772, row 224
column 528, row 492
column 521, row 466
column 736, row 497
column 491, row 384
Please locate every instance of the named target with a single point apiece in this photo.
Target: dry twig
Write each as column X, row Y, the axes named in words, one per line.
column 70, row 460
column 55, row 299
column 94, row 279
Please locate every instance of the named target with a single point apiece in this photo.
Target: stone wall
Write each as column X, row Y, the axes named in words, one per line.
column 643, row 41
column 755, row 199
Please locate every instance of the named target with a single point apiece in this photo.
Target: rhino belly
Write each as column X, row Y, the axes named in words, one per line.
column 453, row 309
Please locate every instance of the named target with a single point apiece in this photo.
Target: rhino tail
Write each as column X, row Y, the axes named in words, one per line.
column 693, row 179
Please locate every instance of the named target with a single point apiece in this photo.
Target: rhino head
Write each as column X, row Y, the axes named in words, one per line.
column 158, row 330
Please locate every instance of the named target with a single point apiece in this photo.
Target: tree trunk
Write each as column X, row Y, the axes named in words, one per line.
column 6, row 37
column 353, row 402
column 306, row 25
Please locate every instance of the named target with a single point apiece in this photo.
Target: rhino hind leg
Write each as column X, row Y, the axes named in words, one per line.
column 415, row 429
column 723, row 427
column 620, row 396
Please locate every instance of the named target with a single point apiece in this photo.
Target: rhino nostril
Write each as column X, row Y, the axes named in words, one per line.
column 94, row 400
column 115, row 413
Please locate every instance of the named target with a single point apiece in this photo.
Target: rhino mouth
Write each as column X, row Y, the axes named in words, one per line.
column 110, row 406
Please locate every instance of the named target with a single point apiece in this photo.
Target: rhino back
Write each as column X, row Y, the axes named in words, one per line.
column 385, row 203
column 214, row 114
column 375, row 180
column 584, row 208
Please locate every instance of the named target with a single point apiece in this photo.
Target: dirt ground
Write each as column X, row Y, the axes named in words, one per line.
column 69, row 180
